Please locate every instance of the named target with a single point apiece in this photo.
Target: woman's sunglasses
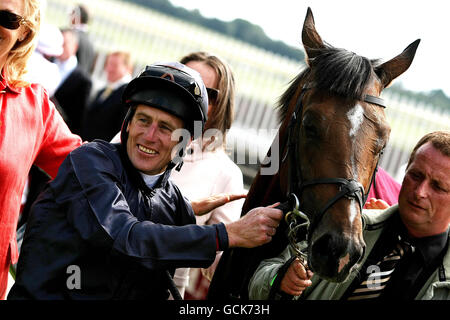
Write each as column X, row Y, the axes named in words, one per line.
column 212, row 94
column 10, row 20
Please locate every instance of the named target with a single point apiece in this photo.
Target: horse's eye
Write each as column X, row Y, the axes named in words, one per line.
column 311, row 131
column 379, row 147
column 311, row 126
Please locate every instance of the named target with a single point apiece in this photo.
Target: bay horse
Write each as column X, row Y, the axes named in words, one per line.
column 332, row 133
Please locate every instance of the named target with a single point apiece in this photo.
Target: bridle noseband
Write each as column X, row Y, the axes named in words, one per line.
column 348, row 188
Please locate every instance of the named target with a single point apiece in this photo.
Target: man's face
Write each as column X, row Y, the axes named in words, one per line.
column 70, row 46
column 149, row 143
column 115, row 67
column 424, row 199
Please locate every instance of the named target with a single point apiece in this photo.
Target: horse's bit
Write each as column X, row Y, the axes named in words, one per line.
column 292, row 221
column 348, row 188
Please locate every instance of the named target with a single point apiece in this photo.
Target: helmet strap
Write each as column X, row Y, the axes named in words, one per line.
column 178, row 167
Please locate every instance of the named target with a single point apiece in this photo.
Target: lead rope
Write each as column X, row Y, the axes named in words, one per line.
column 292, row 219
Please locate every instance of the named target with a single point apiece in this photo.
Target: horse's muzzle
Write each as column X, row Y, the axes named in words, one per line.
column 333, row 256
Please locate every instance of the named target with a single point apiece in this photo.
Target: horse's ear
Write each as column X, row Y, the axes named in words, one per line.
column 310, row 38
column 391, row 69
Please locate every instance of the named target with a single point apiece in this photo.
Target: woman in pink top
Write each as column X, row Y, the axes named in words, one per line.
column 383, row 192
column 31, row 129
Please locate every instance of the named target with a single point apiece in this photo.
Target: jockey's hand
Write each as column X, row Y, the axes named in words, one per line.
column 255, row 228
column 296, row 279
column 205, row 205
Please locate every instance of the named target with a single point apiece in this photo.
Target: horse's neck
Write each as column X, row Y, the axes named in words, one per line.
column 265, row 190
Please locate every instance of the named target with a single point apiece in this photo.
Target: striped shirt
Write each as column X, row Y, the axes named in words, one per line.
column 378, row 275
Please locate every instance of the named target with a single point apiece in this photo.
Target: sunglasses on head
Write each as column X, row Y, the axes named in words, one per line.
column 212, row 94
column 10, row 20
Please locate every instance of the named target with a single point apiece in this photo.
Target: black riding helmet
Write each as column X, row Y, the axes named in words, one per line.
column 171, row 87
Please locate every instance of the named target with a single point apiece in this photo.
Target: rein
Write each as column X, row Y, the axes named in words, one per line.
column 348, row 188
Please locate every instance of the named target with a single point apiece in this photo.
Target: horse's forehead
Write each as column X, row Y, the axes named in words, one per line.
column 336, row 110
column 355, row 117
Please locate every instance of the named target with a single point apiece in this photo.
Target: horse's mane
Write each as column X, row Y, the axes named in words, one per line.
column 335, row 70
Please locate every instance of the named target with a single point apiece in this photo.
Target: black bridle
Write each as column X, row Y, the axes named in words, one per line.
column 348, row 188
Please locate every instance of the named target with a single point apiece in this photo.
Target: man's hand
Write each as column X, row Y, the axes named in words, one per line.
column 376, row 204
column 203, row 206
column 256, row 228
column 296, row 279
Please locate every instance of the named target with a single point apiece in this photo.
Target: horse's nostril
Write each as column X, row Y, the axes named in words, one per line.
column 332, row 256
column 323, row 256
column 325, row 248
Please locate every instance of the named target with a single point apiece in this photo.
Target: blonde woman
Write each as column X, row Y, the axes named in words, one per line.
column 31, row 130
column 207, row 169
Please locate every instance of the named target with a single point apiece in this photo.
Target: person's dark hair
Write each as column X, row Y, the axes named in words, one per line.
column 81, row 14
column 439, row 139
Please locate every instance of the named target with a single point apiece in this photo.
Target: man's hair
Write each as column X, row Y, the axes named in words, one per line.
column 15, row 66
column 222, row 115
column 126, row 58
column 439, row 139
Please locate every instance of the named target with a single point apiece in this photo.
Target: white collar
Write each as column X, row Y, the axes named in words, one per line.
column 151, row 180
column 66, row 67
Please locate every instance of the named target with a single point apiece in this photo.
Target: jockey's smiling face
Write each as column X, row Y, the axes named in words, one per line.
column 150, row 144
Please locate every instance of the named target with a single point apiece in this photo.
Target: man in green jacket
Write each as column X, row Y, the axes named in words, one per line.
column 407, row 255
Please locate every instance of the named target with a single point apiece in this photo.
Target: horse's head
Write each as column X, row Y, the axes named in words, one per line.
column 338, row 129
